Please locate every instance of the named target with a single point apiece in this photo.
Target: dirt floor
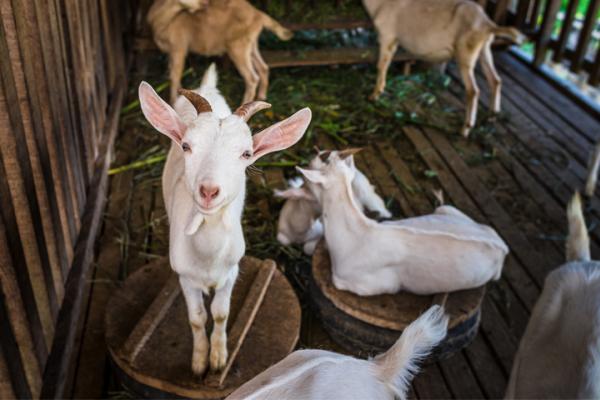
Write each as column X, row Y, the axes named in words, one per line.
column 516, row 172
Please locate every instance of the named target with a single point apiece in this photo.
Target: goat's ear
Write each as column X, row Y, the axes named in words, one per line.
column 295, row 193
column 161, row 115
column 349, row 161
column 313, row 175
column 281, row 135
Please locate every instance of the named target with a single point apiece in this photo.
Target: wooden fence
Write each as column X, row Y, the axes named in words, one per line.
column 62, row 82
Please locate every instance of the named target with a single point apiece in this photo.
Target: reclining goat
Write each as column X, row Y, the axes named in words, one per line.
column 441, row 252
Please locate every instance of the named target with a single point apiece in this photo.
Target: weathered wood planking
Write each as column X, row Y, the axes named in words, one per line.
column 58, row 121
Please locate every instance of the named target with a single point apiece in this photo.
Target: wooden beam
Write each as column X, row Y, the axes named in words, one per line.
column 591, row 18
column 544, row 38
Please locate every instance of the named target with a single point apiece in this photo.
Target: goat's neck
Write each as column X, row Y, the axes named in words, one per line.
column 341, row 212
column 373, row 6
column 162, row 13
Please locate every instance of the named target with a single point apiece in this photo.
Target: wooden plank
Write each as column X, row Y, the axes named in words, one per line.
column 544, row 37
column 21, row 316
column 560, row 105
column 20, row 177
column 59, row 365
column 42, row 148
column 567, row 26
column 583, row 41
column 6, row 387
column 594, row 78
column 9, row 350
column 244, row 320
column 153, row 316
column 430, row 383
column 460, row 378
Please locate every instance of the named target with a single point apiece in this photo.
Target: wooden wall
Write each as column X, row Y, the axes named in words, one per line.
column 62, row 69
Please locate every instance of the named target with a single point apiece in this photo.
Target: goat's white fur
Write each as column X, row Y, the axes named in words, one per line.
column 299, row 219
column 441, row 252
column 559, row 354
column 455, row 29
column 206, row 240
column 319, row 374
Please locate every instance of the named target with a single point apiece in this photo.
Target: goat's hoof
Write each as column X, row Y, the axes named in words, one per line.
column 465, row 131
column 375, row 96
column 199, row 364
column 218, row 359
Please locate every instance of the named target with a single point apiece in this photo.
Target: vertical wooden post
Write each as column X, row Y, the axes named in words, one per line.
column 543, row 39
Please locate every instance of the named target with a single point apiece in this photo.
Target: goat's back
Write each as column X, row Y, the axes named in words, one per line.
column 559, row 355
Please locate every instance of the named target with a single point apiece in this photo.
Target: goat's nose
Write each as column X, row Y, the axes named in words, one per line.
column 209, row 192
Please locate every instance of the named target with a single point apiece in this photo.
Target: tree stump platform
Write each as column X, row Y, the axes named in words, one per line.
column 150, row 341
column 369, row 325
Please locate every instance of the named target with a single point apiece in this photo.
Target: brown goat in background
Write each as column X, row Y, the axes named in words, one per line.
column 212, row 28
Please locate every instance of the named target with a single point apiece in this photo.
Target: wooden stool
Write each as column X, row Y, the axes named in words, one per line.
column 370, row 325
column 150, row 341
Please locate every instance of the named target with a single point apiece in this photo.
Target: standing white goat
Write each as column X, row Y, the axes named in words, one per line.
column 439, row 31
column 299, row 219
column 204, row 185
column 320, row 374
column 436, row 253
column 559, row 354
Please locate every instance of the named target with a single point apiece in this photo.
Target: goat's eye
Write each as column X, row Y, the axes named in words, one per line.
column 185, row 146
column 247, row 154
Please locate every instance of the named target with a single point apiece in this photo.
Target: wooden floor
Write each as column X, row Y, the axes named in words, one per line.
column 518, row 181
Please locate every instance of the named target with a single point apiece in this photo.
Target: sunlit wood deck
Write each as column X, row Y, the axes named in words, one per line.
column 517, row 180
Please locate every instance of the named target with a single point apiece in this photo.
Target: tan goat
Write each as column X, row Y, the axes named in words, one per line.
column 213, row 28
column 439, row 31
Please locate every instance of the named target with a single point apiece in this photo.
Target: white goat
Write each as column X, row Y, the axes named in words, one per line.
column 299, row 220
column 204, row 185
column 439, row 31
column 320, row 374
column 440, row 252
column 559, row 354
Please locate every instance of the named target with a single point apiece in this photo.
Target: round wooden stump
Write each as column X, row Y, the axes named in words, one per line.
column 150, row 341
column 370, row 325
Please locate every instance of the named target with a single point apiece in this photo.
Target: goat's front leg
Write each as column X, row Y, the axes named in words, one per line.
column 220, row 313
column 387, row 49
column 176, row 65
column 468, row 50
column 262, row 69
column 197, row 317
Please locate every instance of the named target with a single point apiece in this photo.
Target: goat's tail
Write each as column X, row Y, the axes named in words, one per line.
column 510, row 33
column 279, row 30
column 209, row 80
column 592, row 178
column 397, row 366
column 578, row 241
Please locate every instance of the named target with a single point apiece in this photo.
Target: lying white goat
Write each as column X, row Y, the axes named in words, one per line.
column 320, row 374
column 440, row 252
column 299, row 219
column 559, row 354
column 439, row 31
column 204, row 184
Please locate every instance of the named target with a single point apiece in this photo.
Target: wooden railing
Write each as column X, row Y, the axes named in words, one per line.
column 62, row 78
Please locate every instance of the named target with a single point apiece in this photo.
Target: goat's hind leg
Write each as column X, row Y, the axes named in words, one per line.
column 387, row 49
column 468, row 50
column 197, row 317
column 491, row 75
column 219, row 309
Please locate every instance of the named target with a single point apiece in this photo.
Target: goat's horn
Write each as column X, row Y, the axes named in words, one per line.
column 349, row 152
column 200, row 103
column 247, row 110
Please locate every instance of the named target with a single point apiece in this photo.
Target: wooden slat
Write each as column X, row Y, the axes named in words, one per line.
column 594, row 78
column 583, row 41
column 567, row 26
column 500, row 11
column 6, row 387
column 523, row 9
column 544, row 37
column 153, row 316
column 21, row 180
